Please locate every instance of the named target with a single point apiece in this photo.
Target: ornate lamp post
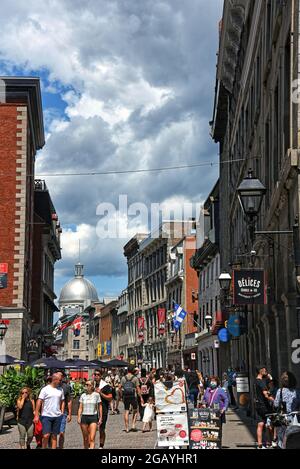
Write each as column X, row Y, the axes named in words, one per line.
column 251, row 193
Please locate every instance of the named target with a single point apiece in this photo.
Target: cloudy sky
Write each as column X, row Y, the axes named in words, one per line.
column 127, row 84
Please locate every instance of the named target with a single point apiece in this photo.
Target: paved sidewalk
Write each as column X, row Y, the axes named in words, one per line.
column 239, row 431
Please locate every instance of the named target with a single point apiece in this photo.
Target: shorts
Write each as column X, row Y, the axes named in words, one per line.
column 104, row 421
column 130, row 401
column 63, row 423
column 88, row 419
column 51, row 425
column 262, row 412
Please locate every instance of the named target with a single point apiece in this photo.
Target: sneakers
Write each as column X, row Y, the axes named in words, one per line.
column 261, row 447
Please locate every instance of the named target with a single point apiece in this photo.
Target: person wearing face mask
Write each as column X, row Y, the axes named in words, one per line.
column 215, row 396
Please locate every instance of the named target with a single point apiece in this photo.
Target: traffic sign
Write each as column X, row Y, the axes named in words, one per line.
column 224, row 335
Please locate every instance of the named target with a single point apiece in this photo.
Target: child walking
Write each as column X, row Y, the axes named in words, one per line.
column 148, row 414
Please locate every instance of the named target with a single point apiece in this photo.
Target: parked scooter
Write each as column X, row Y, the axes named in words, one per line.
column 287, row 429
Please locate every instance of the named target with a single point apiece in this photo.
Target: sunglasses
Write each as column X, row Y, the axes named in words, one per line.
column 96, row 374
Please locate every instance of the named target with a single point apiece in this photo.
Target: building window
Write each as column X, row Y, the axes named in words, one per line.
column 76, row 344
column 75, row 357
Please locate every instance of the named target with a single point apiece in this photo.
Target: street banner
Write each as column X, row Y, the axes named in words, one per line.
column 161, row 313
column 141, row 327
column 172, row 430
column 249, row 287
column 205, row 429
column 3, row 275
column 170, row 396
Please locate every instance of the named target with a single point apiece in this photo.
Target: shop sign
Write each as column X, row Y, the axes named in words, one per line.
column 161, row 313
column 3, row 275
column 249, row 287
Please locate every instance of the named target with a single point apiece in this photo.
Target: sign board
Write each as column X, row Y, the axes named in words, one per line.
column 170, row 396
column 205, row 429
column 249, row 287
column 224, row 335
column 236, row 325
column 3, row 275
column 216, row 344
column 242, row 384
column 5, row 321
column 172, row 430
column 193, row 356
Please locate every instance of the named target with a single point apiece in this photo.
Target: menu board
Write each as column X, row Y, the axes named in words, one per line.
column 170, row 397
column 205, row 429
column 172, row 430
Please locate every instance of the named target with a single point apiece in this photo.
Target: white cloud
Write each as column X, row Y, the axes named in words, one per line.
column 137, row 78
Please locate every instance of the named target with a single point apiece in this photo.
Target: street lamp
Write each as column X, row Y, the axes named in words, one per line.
column 250, row 193
column 208, row 321
column 3, row 330
column 225, row 281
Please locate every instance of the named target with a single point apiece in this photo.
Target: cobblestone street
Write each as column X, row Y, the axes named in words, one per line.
column 116, row 437
column 238, row 433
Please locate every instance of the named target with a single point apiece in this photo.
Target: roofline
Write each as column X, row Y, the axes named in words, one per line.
column 28, row 90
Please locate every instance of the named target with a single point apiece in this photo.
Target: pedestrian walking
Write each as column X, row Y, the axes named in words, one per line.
column 51, row 401
column 194, row 388
column 89, row 415
column 263, row 405
column 231, row 375
column 130, row 389
column 145, row 386
column 288, row 396
column 67, row 415
column 149, row 415
column 105, row 392
column 216, row 397
column 25, row 415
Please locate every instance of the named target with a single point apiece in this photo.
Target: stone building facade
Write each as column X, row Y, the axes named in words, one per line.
column 206, row 262
column 257, row 126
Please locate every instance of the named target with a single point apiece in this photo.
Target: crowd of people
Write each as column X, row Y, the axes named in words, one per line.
column 272, row 397
column 47, row 418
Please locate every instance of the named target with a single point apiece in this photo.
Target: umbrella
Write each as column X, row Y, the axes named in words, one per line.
column 116, row 364
column 97, row 364
column 9, row 360
column 49, row 362
column 71, row 363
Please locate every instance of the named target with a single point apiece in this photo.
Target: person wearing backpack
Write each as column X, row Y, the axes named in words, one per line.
column 130, row 389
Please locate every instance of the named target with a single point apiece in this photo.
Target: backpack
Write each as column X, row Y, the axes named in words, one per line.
column 129, row 387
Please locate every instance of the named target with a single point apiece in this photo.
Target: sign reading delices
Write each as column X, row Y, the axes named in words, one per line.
column 249, row 287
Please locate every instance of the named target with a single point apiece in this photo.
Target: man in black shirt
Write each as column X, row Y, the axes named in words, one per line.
column 67, row 416
column 105, row 392
column 263, row 401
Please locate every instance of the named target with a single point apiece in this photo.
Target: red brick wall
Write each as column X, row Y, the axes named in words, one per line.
column 8, row 147
column 191, row 285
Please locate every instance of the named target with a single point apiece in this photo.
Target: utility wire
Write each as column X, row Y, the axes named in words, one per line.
column 134, row 171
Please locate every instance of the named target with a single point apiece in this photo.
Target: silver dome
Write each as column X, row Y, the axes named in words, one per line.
column 78, row 290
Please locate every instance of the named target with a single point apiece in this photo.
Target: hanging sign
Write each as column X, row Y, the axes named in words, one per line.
column 224, row 335
column 236, row 326
column 249, row 287
column 3, row 275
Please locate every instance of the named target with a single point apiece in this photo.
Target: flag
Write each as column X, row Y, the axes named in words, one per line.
column 76, row 325
column 179, row 316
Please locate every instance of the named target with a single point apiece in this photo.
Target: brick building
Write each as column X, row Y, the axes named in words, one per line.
column 21, row 136
column 181, row 288
column 47, row 250
column 107, row 313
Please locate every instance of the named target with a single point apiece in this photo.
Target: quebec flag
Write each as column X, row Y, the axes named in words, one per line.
column 179, row 316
